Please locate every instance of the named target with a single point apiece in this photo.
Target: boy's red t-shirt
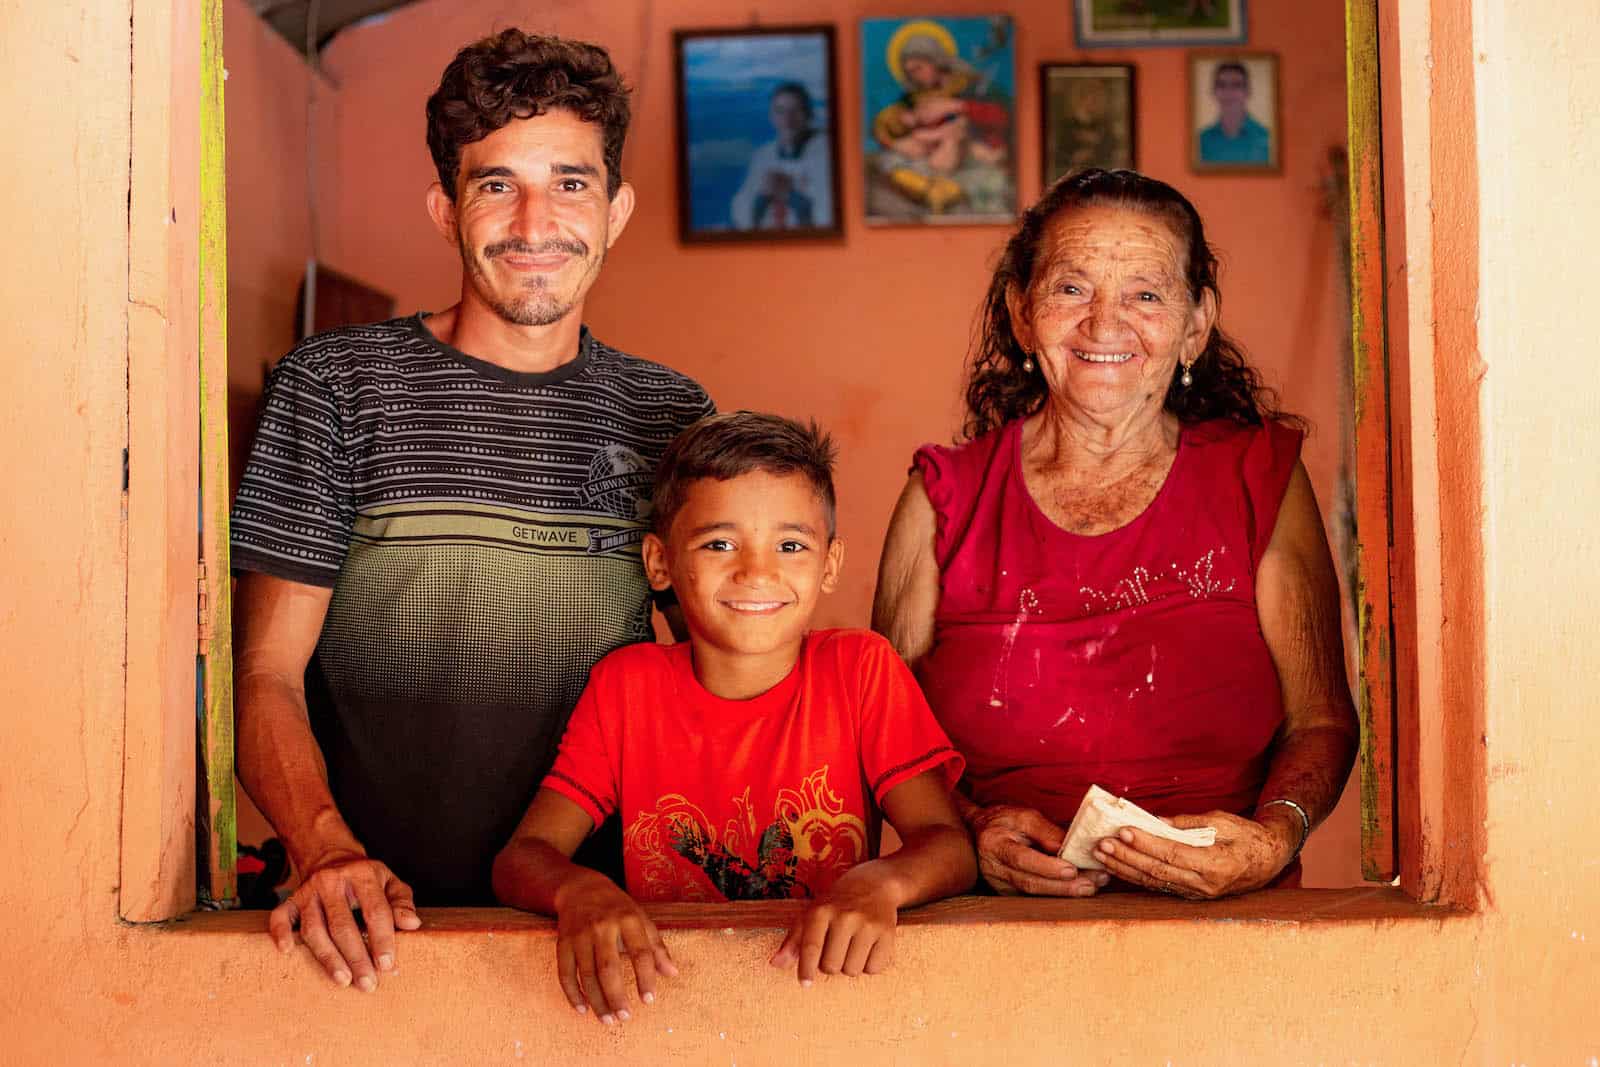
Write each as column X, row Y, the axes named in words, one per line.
column 768, row 798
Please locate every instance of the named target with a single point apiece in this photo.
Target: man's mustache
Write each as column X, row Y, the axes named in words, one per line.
column 514, row 246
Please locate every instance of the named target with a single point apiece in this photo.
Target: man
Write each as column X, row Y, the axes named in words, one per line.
column 1236, row 137
column 440, row 521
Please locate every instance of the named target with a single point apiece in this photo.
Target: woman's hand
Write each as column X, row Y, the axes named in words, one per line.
column 596, row 924
column 1017, row 854
column 849, row 931
column 1247, row 855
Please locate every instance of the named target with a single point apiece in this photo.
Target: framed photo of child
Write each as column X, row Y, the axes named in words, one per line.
column 1235, row 113
column 758, row 148
column 1150, row 23
column 1088, row 117
column 938, row 130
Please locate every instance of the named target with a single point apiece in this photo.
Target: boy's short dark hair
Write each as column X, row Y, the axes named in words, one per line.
column 737, row 442
column 516, row 75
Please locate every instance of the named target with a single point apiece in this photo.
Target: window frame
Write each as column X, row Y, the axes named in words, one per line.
column 1420, row 548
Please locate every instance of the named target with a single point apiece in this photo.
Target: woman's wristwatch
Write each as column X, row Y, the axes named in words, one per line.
column 1305, row 823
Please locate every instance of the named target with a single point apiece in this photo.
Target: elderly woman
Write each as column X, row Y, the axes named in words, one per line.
column 1121, row 578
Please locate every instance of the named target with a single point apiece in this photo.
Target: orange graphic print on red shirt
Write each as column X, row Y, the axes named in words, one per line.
column 807, row 843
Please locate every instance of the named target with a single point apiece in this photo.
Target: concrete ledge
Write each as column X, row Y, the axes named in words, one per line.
column 1279, row 907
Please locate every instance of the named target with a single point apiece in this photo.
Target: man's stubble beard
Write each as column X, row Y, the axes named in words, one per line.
column 536, row 305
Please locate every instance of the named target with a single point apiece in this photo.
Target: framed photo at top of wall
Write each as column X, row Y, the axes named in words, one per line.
column 758, row 148
column 1235, row 116
column 1151, row 23
column 938, row 131
column 1088, row 114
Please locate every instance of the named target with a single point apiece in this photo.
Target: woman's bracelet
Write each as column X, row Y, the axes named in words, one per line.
column 1305, row 823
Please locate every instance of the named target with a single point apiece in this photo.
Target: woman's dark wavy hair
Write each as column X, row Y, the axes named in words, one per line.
column 516, row 75
column 999, row 390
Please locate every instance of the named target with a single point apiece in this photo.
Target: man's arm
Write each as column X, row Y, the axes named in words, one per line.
column 276, row 625
column 535, row 872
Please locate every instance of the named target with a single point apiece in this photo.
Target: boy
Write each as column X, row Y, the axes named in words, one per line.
column 752, row 761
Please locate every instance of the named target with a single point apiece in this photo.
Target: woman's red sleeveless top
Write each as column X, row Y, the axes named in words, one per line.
column 1133, row 660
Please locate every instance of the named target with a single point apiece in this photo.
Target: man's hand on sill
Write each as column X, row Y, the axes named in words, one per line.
column 323, row 908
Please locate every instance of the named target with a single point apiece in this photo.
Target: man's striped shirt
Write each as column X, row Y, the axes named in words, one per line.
column 480, row 530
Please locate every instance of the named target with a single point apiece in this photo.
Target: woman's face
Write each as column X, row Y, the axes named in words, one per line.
column 1108, row 314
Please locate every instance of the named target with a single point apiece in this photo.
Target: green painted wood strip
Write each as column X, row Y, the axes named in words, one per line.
column 216, row 727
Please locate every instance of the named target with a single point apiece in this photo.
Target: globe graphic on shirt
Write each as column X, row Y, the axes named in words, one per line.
column 618, row 482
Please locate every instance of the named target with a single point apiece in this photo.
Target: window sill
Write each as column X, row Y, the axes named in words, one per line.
column 1292, row 907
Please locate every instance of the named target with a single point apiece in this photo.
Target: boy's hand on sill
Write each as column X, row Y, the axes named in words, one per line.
column 324, row 906
column 597, row 924
column 850, row 931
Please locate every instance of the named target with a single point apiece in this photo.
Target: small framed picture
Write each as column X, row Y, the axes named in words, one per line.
column 938, row 129
column 758, row 148
column 1235, row 114
column 1088, row 117
column 1151, row 23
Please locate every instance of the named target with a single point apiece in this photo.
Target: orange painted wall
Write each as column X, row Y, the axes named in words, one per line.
column 866, row 334
column 1248, row 982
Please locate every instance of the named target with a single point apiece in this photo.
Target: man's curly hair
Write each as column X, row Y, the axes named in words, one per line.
column 516, row 75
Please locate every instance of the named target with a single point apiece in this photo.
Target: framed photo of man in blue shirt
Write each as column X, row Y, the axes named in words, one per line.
column 1234, row 113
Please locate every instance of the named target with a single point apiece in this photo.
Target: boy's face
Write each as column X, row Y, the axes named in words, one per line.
column 748, row 558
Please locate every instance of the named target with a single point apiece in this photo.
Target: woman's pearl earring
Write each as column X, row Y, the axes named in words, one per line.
column 1027, row 363
column 1188, row 378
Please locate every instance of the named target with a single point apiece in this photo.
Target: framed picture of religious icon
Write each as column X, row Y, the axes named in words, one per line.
column 1151, row 23
column 758, row 148
column 938, row 136
column 1235, row 113
column 1087, row 110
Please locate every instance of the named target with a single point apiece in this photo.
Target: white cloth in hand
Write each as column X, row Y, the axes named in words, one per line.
column 1102, row 814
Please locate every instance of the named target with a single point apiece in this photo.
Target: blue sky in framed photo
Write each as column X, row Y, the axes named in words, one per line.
column 728, row 83
column 974, row 43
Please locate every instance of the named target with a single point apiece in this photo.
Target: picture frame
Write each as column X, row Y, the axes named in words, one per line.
column 757, row 134
column 1158, row 23
column 1088, row 118
column 938, row 137
column 1235, row 113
